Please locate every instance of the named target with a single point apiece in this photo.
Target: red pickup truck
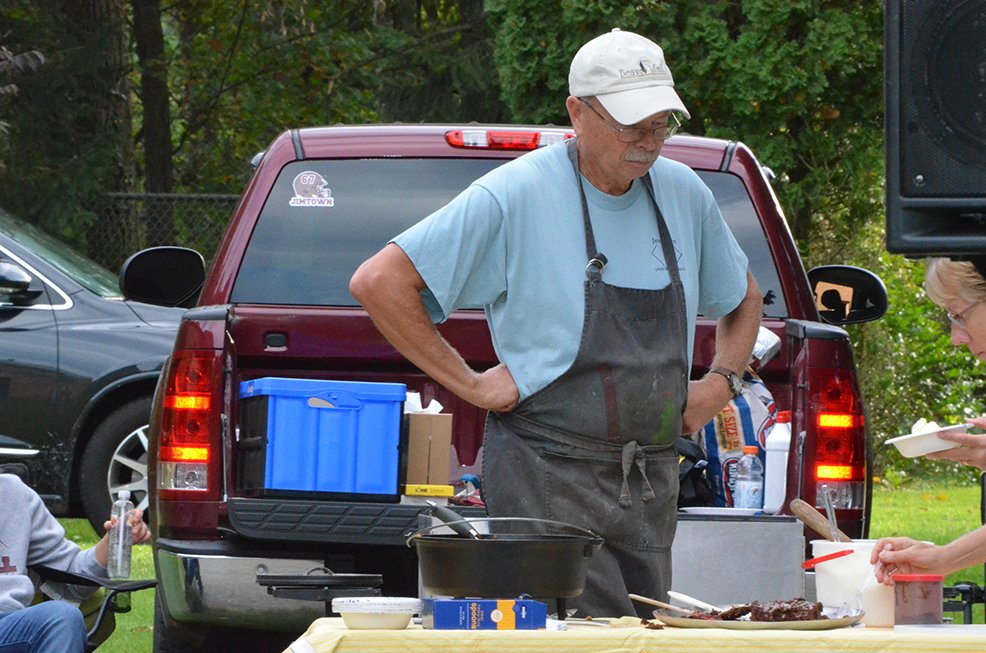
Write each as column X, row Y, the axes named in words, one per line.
column 276, row 303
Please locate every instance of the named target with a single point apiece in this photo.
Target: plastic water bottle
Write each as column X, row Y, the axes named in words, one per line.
column 748, row 489
column 775, row 479
column 121, row 537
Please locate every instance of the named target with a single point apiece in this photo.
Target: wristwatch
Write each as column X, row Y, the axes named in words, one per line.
column 735, row 382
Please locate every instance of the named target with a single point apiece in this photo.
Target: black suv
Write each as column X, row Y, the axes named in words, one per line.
column 78, row 367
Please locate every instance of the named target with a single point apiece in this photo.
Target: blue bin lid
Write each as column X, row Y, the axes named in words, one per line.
column 273, row 385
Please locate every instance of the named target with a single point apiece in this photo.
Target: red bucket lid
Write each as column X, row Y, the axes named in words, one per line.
column 918, row 577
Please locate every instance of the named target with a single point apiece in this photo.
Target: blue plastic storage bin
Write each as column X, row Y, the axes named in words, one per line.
column 322, row 436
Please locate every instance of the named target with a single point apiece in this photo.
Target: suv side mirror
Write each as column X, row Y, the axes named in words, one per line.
column 848, row 295
column 165, row 276
column 15, row 285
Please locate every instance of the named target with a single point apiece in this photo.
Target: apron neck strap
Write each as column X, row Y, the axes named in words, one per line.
column 590, row 241
column 667, row 247
column 596, row 259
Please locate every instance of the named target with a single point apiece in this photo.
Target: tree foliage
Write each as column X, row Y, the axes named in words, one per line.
column 238, row 72
column 908, row 367
column 70, row 139
column 800, row 81
column 243, row 71
column 11, row 65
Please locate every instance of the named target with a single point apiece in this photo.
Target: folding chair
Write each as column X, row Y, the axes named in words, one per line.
column 100, row 610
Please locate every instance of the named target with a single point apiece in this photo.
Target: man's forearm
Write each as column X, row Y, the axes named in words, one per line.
column 389, row 288
column 736, row 333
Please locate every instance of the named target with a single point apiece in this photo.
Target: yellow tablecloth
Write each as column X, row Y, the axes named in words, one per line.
column 330, row 635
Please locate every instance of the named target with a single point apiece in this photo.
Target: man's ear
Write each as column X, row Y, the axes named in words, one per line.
column 575, row 107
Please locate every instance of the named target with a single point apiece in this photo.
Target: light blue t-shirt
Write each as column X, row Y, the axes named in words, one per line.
column 514, row 243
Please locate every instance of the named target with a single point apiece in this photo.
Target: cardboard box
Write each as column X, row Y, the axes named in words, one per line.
column 484, row 614
column 429, row 442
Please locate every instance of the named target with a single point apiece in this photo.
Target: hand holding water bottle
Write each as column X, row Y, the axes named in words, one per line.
column 113, row 551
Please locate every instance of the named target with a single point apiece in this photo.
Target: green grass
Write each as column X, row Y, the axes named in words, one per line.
column 937, row 513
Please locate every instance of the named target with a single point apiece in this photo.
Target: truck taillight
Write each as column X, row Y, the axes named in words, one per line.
column 505, row 139
column 190, row 423
column 839, row 435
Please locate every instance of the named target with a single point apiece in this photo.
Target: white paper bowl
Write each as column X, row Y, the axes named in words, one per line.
column 376, row 621
column 376, row 612
column 919, row 444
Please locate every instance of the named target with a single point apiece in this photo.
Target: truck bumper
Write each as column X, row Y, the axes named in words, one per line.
column 206, row 584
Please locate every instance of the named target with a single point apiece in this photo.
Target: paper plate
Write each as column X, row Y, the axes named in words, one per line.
column 919, row 444
column 721, row 512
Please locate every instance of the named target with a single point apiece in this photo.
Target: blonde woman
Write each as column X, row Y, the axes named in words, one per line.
column 959, row 287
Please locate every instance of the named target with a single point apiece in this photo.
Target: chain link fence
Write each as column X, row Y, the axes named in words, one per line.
column 128, row 222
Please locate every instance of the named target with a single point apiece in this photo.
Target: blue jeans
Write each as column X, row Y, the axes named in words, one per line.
column 49, row 627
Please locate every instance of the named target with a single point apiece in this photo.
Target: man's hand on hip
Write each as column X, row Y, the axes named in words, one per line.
column 495, row 390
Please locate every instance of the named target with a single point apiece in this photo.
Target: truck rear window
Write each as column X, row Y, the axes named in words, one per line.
column 302, row 254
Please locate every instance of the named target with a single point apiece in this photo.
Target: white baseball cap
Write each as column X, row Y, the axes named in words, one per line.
column 627, row 74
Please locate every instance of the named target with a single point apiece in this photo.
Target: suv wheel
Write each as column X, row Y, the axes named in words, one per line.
column 116, row 459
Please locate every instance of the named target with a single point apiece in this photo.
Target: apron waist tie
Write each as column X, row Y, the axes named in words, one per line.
column 632, row 453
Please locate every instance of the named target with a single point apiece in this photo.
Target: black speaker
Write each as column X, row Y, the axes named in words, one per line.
column 935, row 65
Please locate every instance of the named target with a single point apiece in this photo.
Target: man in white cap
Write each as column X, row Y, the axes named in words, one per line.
column 592, row 259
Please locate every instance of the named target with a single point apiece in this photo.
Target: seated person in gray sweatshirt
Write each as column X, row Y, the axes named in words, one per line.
column 30, row 535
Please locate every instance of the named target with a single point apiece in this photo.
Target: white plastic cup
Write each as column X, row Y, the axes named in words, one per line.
column 838, row 580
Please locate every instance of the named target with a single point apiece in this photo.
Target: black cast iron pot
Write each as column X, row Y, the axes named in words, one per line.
column 549, row 560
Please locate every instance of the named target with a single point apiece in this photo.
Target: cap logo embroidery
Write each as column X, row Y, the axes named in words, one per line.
column 646, row 68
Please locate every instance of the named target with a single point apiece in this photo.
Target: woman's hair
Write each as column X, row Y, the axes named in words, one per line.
column 945, row 279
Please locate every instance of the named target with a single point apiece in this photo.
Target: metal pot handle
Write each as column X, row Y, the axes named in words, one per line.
column 580, row 531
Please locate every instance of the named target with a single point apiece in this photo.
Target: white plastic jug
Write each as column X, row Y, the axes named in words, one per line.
column 777, row 446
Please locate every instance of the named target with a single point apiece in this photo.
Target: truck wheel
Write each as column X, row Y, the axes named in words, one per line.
column 169, row 637
column 115, row 459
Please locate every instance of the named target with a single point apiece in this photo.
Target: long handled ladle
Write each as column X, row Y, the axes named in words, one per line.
column 660, row 604
column 814, row 520
column 454, row 521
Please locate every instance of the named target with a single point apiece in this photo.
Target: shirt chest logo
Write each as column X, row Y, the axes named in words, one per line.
column 658, row 253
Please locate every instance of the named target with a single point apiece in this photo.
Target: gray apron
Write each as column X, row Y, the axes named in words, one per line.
column 595, row 447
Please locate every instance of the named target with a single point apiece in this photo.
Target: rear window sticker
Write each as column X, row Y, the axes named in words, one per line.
column 311, row 189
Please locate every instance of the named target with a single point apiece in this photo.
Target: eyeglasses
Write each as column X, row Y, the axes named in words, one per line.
column 958, row 319
column 636, row 134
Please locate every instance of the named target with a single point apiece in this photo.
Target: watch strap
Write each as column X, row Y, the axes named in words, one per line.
column 732, row 378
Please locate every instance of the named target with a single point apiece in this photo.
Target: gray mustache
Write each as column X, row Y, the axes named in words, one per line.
column 640, row 157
